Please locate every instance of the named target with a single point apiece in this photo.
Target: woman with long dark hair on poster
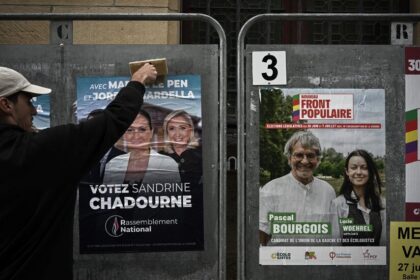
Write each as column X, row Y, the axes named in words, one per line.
column 360, row 202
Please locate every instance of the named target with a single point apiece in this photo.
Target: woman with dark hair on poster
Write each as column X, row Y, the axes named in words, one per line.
column 360, row 202
column 141, row 164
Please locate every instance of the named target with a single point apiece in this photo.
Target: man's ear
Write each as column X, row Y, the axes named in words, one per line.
column 6, row 106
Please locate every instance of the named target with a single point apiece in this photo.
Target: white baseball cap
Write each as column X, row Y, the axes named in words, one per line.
column 12, row 82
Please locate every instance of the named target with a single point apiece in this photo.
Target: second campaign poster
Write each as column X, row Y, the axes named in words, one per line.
column 146, row 194
column 322, row 180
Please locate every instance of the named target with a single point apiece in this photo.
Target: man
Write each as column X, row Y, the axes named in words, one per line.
column 96, row 173
column 40, row 171
column 299, row 191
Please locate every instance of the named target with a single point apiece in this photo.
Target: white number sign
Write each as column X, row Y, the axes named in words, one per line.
column 269, row 68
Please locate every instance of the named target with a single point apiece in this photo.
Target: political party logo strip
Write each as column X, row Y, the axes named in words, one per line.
column 322, row 255
column 411, row 136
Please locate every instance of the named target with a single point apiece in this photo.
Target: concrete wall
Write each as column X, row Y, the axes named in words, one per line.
column 91, row 32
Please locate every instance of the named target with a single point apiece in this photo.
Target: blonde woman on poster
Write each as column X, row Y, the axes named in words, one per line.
column 182, row 145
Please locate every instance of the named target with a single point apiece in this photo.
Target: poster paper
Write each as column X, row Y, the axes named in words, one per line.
column 303, row 218
column 146, row 194
column 404, row 251
column 412, row 151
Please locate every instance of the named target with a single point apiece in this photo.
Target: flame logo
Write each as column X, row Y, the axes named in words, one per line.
column 112, row 226
column 115, row 226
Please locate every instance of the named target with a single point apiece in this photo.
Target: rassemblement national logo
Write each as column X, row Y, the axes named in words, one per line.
column 116, row 226
column 113, row 226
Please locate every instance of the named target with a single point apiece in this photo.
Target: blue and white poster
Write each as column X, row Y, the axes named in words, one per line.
column 146, row 194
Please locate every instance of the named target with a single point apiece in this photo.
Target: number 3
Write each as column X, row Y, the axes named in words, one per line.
column 271, row 66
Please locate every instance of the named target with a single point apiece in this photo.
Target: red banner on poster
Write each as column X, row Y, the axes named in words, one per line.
column 412, row 61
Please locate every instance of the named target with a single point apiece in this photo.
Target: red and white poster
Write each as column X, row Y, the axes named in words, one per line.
column 412, row 152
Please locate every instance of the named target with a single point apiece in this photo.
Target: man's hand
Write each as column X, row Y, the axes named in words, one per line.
column 146, row 74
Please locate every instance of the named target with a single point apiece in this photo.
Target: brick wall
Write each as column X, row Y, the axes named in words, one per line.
column 91, row 32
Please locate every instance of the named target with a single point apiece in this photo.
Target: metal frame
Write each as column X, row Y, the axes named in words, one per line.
column 243, row 96
column 222, row 90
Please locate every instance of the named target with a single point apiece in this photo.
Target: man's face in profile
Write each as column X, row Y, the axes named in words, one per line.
column 303, row 162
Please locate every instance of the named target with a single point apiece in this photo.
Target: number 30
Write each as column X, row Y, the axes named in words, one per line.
column 414, row 65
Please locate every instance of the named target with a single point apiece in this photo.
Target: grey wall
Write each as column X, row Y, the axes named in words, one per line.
column 58, row 66
column 337, row 67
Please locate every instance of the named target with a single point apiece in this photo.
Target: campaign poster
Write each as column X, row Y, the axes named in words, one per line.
column 404, row 250
column 42, row 106
column 322, row 180
column 412, row 123
column 146, row 194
